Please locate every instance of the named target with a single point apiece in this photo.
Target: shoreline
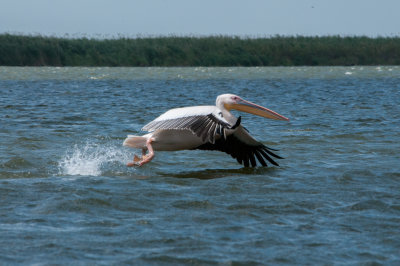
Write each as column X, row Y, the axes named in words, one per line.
column 212, row 51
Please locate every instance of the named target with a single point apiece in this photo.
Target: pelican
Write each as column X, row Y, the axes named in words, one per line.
column 205, row 128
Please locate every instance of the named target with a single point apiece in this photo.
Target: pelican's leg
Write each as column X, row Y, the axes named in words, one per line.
column 149, row 156
column 137, row 161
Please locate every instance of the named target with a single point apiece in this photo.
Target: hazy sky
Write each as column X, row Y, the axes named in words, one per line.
column 201, row 17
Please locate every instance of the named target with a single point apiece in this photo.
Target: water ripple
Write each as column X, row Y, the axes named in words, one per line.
column 68, row 198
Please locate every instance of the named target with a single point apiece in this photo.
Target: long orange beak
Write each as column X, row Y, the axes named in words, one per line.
column 252, row 108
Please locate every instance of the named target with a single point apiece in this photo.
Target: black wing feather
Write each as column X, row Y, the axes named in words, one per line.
column 244, row 154
column 260, row 158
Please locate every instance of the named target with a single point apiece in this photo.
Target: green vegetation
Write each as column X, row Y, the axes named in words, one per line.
column 198, row 51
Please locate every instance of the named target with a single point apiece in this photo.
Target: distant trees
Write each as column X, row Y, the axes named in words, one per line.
column 198, row 51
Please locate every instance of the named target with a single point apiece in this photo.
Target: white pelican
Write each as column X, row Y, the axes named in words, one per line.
column 205, row 128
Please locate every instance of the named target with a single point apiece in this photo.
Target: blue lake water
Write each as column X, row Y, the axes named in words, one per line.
column 67, row 196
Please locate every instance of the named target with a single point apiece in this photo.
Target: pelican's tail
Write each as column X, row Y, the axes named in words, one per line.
column 137, row 142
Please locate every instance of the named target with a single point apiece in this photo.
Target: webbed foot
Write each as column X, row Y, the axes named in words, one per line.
column 139, row 161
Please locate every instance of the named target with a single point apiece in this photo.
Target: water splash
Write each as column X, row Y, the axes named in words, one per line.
column 92, row 159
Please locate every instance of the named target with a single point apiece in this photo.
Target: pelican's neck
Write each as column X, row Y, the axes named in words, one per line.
column 226, row 112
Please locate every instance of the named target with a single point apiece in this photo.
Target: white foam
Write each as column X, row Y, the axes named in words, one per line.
column 91, row 159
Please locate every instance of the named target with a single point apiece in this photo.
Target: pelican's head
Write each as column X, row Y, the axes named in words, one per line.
column 231, row 101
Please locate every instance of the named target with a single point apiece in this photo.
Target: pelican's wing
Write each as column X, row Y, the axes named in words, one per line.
column 204, row 121
column 244, row 148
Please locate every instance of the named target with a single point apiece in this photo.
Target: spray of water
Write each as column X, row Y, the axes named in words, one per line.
column 92, row 159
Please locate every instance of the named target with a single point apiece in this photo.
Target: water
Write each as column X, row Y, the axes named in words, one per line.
column 67, row 197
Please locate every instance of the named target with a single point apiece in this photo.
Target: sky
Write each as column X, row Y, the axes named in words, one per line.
column 245, row 18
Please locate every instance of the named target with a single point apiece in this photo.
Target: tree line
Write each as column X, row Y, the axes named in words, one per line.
column 20, row 50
